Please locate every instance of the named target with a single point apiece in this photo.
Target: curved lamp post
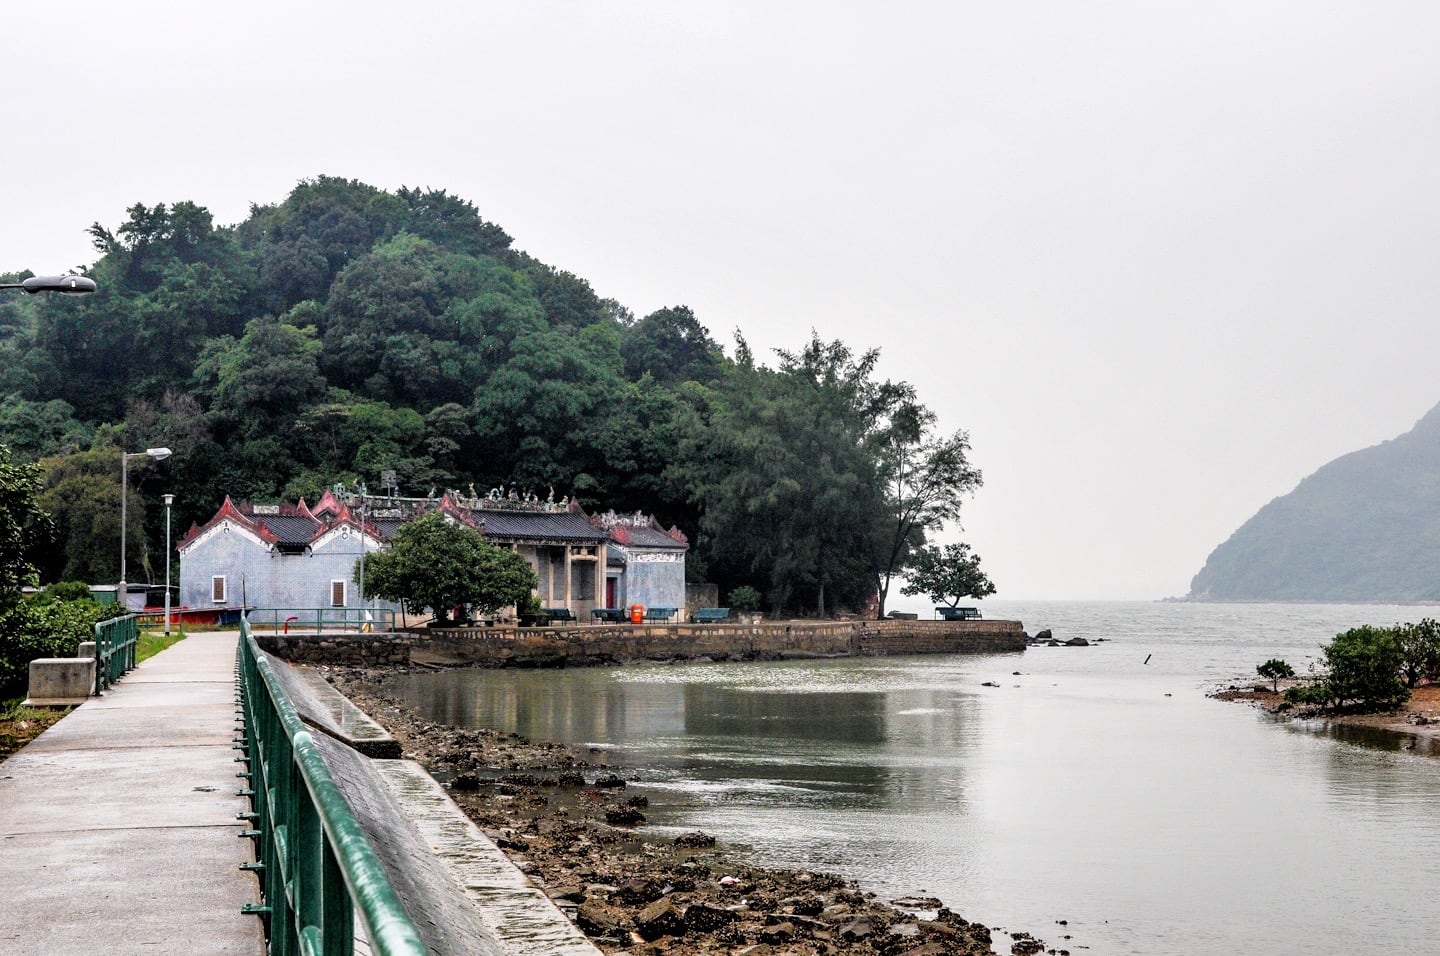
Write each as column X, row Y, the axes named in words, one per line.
column 159, row 454
column 65, row 285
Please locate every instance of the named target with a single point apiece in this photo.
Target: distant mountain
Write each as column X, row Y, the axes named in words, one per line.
column 1365, row 527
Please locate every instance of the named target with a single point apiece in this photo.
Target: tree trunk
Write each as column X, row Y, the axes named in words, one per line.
column 820, row 604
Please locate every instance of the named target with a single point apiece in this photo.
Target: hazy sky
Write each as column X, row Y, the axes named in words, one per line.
column 1161, row 260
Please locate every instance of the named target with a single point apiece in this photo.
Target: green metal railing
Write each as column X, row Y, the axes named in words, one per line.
column 317, row 868
column 295, row 620
column 115, row 642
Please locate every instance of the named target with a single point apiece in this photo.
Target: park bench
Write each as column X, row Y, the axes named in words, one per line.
column 611, row 615
column 958, row 613
column 709, row 615
column 660, row 615
column 558, row 615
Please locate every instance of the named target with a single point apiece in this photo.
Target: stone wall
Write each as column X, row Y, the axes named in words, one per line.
column 616, row 643
column 356, row 650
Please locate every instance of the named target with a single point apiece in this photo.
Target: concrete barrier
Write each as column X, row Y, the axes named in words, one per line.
column 60, row 681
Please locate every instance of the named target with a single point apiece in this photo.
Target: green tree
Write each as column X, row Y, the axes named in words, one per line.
column 1275, row 670
column 24, row 527
column 1419, row 651
column 261, row 384
column 1364, row 665
column 927, row 478
column 672, row 346
column 947, row 574
column 788, row 476
column 441, row 565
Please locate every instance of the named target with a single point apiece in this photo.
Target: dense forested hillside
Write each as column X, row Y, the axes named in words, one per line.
column 1365, row 527
column 349, row 331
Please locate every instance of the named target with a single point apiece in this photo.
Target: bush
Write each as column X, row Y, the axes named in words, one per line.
column 31, row 629
column 1364, row 669
column 64, row 591
column 1315, row 695
column 744, row 598
column 1419, row 650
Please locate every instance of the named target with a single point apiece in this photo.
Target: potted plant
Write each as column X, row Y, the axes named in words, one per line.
column 745, row 603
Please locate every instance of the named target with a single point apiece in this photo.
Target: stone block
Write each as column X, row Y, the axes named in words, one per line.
column 58, row 680
column 86, row 649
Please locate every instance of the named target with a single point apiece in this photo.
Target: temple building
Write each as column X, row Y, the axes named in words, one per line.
column 302, row 557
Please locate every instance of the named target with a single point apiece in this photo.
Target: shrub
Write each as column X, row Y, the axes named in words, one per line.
column 1364, row 669
column 744, row 598
column 1315, row 695
column 64, row 591
column 1419, row 650
column 31, row 629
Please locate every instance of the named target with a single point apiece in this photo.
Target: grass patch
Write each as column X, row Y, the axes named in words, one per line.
column 20, row 724
column 153, row 642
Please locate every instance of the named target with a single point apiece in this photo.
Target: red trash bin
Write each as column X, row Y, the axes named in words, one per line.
column 637, row 613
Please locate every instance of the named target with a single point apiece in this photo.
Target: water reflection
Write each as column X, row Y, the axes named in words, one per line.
column 1372, row 738
column 856, row 717
column 789, row 736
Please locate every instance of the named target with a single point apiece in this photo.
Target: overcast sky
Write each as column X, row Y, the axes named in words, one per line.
column 1161, row 260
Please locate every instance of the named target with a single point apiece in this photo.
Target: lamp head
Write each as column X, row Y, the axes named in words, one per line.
column 159, row 454
column 65, row 285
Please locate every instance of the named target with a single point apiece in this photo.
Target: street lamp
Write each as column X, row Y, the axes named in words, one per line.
column 169, row 500
column 159, row 454
column 65, row 285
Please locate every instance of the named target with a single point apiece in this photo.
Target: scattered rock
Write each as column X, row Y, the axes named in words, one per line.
column 597, row 919
column 624, row 816
column 660, row 918
column 1025, row 945
column 610, row 781
column 638, row 891
column 989, row 683
column 695, row 840
column 703, row 918
column 858, row 928
column 1044, row 635
column 1077, row 642
column 777, row 934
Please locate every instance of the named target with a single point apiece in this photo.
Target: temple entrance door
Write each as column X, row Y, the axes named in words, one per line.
column 610, row 591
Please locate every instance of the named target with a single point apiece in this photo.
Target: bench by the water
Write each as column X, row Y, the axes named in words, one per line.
column 660, row 615
column 958, row 613
column 611, row 615
column 558, row 615
column 709, row 615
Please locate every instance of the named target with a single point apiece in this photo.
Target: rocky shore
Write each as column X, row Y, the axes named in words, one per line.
column 578, row 831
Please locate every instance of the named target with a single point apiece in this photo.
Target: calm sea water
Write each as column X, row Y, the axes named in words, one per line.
column 1090, row 787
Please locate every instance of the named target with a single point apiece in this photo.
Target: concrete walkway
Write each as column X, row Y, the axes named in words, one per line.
column 118, row 829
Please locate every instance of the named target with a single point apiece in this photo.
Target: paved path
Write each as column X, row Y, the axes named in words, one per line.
column 118, row 829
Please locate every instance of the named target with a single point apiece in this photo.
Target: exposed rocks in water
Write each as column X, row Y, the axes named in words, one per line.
column 639, row 895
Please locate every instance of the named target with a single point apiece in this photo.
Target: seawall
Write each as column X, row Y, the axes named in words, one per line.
column 588, row 645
